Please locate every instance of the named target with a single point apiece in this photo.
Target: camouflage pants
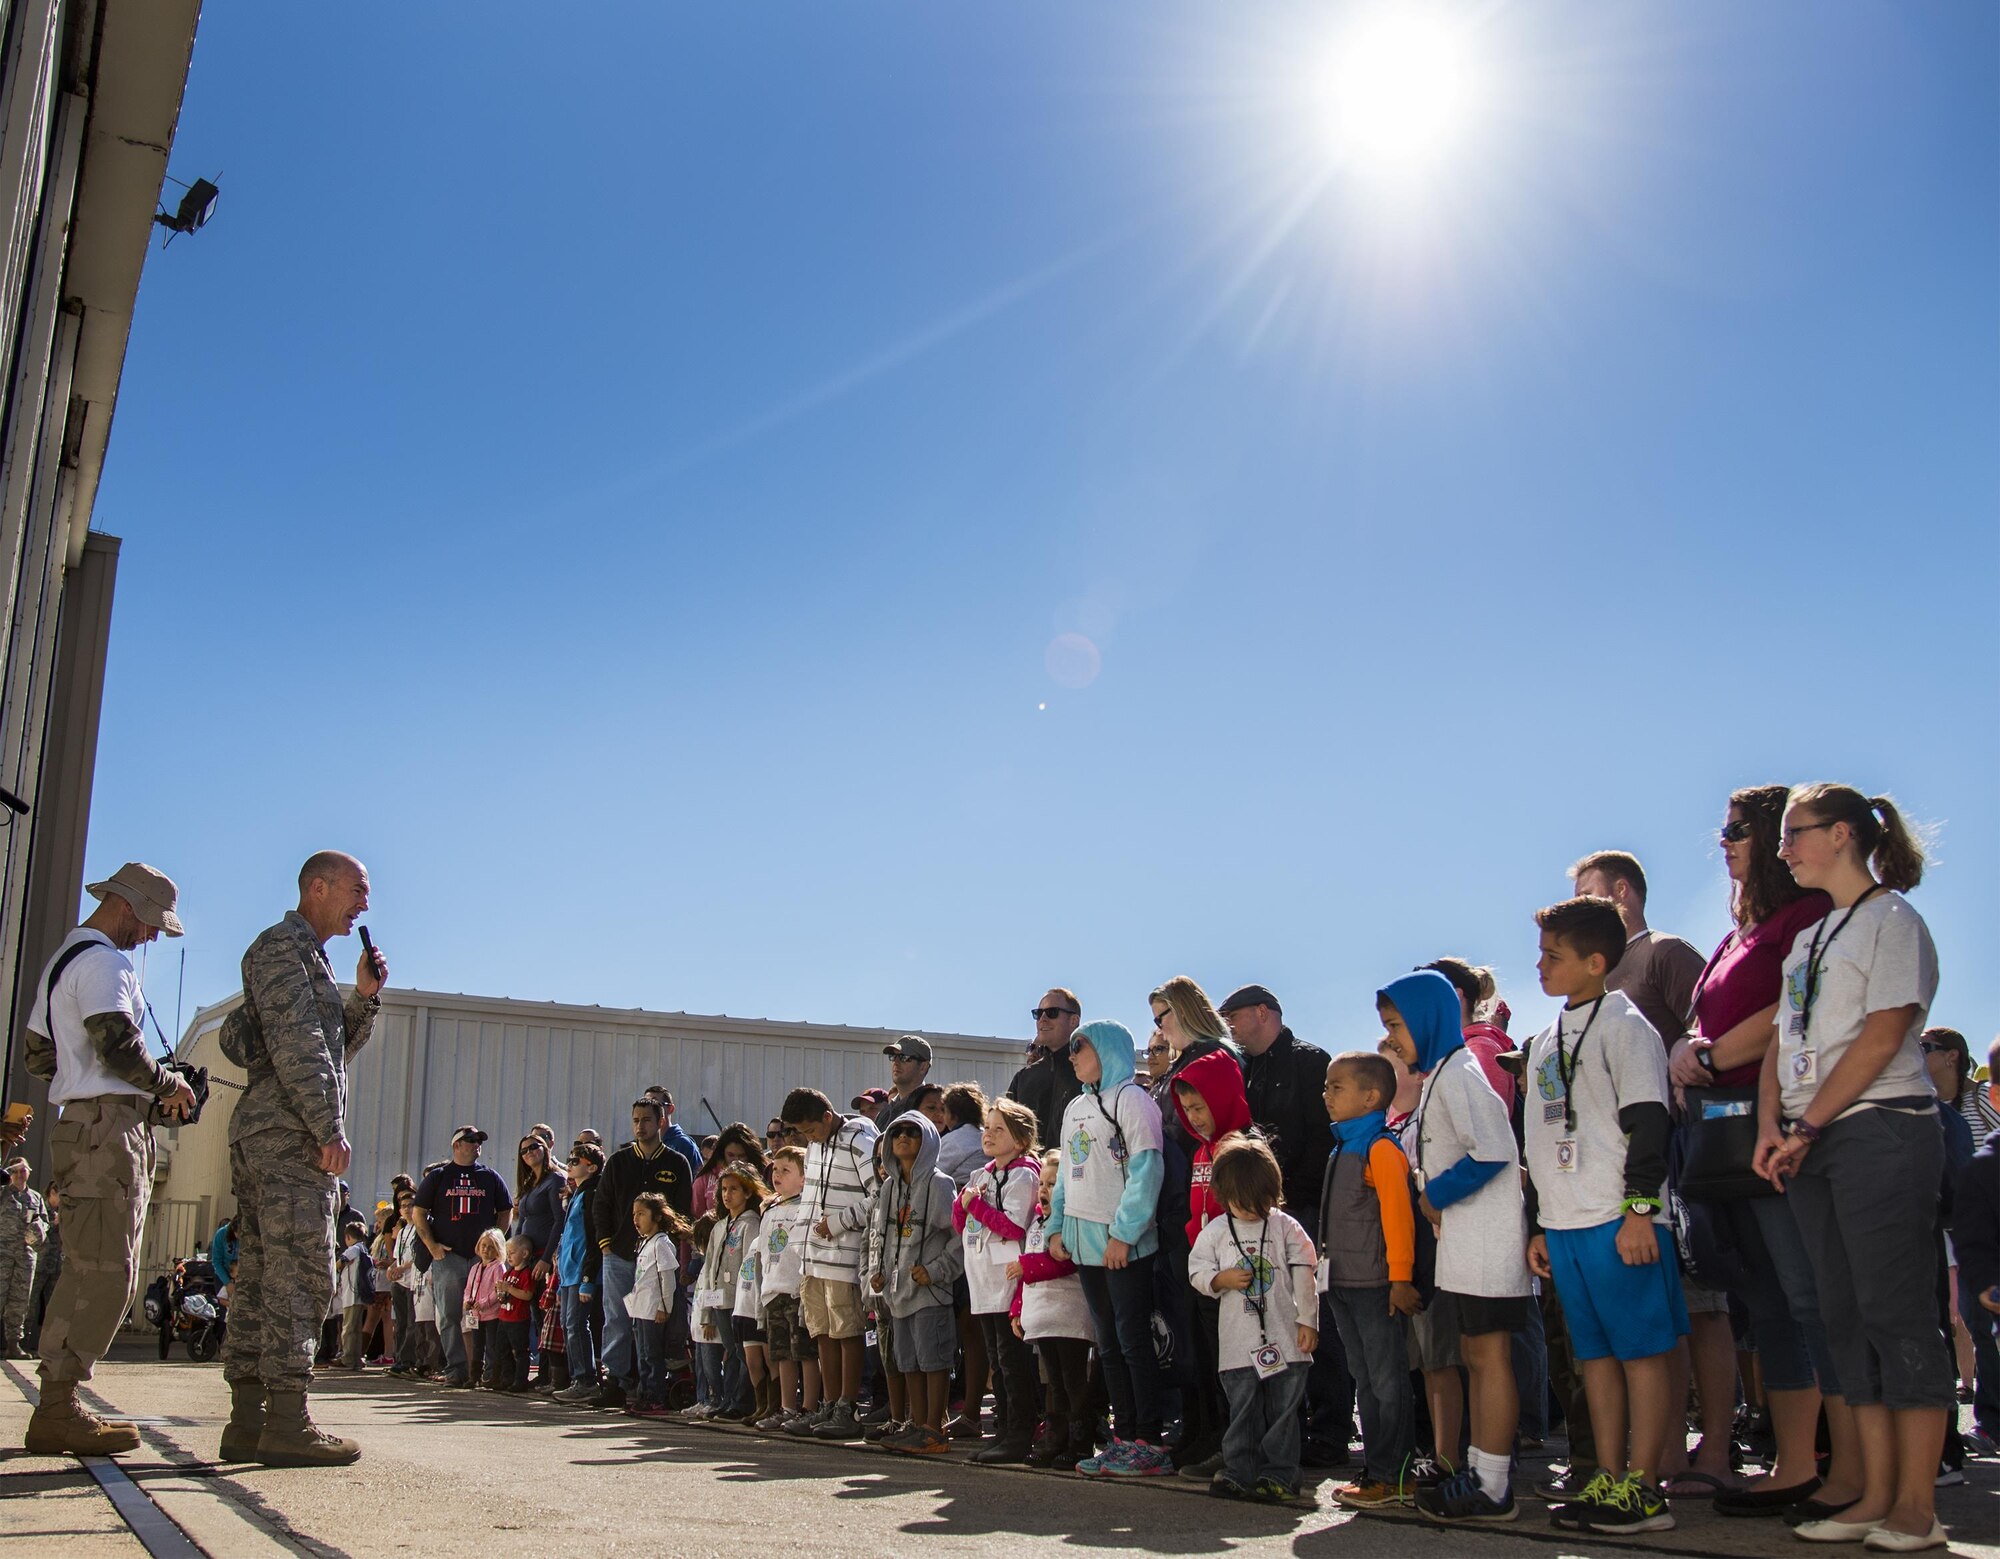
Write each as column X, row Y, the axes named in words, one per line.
column 101, row 1153
column 17, row 1286
column 284, row 1270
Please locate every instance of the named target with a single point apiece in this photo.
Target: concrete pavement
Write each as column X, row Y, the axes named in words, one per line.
column 449, row 1473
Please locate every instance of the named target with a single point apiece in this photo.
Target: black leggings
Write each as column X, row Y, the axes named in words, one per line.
column 1016, row 1401
column 1066, row 1364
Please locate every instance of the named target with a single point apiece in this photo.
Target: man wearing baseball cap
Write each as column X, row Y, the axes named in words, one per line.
column 455, row 1204
column 85, row 1041
column 909, row 1065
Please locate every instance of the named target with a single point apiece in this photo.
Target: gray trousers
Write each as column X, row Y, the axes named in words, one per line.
column 1866, row 1201
column 448, row 1275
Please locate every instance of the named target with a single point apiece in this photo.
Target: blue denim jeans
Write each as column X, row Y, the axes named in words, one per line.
column 1262, row 1440
column 651, row 1390
column 448, row 1275
column 581, row 1346
column 1980, row 1322
column 1379, row 1361
column 1783, row 1355
column 1121, row 1312
column 620, row 1368
column 1780, row 1228
column 708, row 1372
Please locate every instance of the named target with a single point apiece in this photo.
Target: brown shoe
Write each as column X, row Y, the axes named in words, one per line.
column 60, row 1426
column 292, row 1439
column 246, row 1421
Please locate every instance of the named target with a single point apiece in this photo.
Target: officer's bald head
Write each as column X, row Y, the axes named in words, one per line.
column 335, row 868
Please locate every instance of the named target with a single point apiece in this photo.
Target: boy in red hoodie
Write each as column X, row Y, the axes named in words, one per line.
column 1209, row 1098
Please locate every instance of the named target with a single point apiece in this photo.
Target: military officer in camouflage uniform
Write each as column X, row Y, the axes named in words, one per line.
column 287, row 1150
column 24, row 1225
column 84, row 1040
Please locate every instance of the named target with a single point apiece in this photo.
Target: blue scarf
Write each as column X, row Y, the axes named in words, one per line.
column 1361, row 1133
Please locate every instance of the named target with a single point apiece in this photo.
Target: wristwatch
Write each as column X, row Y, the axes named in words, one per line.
column 1642, row 1206
column 1704, row 1057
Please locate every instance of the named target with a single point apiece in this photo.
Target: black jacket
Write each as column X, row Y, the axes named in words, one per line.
column 624, row 1176
column 1046, row 1085
column 1286, row 1087
column 1975, row 1224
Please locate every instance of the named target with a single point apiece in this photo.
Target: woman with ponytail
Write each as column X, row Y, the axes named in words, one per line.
column 1848, row 1130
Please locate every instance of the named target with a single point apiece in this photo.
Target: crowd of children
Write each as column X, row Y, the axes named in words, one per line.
column 1476, row 1200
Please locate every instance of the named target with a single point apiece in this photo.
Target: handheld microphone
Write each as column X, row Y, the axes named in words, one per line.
column 367, row 945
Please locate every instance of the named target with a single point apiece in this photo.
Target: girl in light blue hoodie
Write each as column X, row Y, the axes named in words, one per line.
column 1105, row 1200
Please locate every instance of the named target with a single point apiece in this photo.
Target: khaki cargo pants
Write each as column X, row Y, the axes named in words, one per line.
column 101, row 1153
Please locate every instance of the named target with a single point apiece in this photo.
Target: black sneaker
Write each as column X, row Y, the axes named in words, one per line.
column 1460, row 1501
column 1560, row 1488
column 609, row 1395
column 1574, row 1514
column 1631, row 1505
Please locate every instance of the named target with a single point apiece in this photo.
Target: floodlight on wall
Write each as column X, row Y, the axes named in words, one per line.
column 192, row 214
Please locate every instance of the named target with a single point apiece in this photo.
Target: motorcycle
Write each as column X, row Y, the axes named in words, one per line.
column 190, row 1304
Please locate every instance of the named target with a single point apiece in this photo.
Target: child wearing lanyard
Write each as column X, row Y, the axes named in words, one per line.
column 1595, row 1127
column 1259, row 1263
column 1848, row 1129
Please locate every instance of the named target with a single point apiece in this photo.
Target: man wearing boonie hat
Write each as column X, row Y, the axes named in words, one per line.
column 287, row 1151
column 909, row 1065
column 85, row 1041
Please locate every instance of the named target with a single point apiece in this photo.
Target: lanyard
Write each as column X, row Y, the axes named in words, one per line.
column 1255, row 1306
column 1816, row 959
column 1566, row 1064
column 1111, row 1120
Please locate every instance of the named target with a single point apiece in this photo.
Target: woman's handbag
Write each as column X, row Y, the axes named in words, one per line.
column 1718, row 1143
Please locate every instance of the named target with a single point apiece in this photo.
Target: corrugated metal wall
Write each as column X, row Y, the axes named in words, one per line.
column 438, row 1062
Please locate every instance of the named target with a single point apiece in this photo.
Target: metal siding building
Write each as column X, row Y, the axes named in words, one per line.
column 437, row 1062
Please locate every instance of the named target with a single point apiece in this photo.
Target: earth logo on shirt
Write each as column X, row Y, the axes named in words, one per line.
column 1262, row 1275
column 1079, row 1146
column 1795, row 988
column 1549, row 1084
column 780, row 1238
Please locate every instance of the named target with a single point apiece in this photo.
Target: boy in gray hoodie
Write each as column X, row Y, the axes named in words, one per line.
column 916, row 1256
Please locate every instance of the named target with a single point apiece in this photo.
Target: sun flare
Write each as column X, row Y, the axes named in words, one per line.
column 1401, row 93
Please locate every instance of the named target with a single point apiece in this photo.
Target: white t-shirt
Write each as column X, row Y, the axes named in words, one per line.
column 1280, row 1259
column 988, row 1252
column 781, row 1248
column 1483, row 1244
column 1620, row 1062
column 1882, row 958
column 406, row 1252
column 102, row 980
column 350, row 1270
column 1095, row 1152
column 1054, row 1307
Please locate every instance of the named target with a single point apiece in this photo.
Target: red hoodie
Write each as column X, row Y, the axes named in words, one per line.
column 1219, row 1081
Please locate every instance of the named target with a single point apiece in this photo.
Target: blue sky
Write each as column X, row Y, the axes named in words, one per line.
column 639, row 483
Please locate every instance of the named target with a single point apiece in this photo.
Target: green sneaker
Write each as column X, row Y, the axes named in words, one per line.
column 1633, row 1505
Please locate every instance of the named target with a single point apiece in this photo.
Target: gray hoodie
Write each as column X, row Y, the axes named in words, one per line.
column 911, row 1226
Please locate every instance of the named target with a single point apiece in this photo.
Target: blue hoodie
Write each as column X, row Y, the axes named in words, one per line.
column 911, row 1226
column 1114, row 1094
column 1430, row 1009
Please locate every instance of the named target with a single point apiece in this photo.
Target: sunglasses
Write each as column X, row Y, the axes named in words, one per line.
column 1734, row 833
column 1931, row 1047
column 1159, row 1050
column 1039, row 1013
column 1077, row 1044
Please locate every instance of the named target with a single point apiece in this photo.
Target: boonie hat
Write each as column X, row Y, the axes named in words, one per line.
column 151, row 894
column 911, row 1047
column 468, row 1134
column 1249, row 996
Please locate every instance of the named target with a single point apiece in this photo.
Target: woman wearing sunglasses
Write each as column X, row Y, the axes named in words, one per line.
column 1733, row 1024
column 1848, row 1131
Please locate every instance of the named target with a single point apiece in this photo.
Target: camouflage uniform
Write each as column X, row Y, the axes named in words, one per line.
column 294, row 1104
column 24, row 1223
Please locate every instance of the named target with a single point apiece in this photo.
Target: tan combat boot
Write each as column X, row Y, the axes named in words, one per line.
column 246, row 1421
column 292, row 1439
column 61, row 1427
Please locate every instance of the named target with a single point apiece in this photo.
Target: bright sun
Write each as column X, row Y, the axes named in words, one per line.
column 1401, row 91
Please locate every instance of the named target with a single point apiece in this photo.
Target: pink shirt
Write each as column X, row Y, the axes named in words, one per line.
column 482, row 1290
column 1487, row 1045
column 1746, row 974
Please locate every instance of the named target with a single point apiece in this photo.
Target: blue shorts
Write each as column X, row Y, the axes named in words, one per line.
column 1613, row 1310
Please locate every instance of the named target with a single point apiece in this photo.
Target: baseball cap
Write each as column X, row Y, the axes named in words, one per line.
column 468, row 1134
column 868, row 1098
column 1249, row 996
column 151, row 894
column 911, row 1047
